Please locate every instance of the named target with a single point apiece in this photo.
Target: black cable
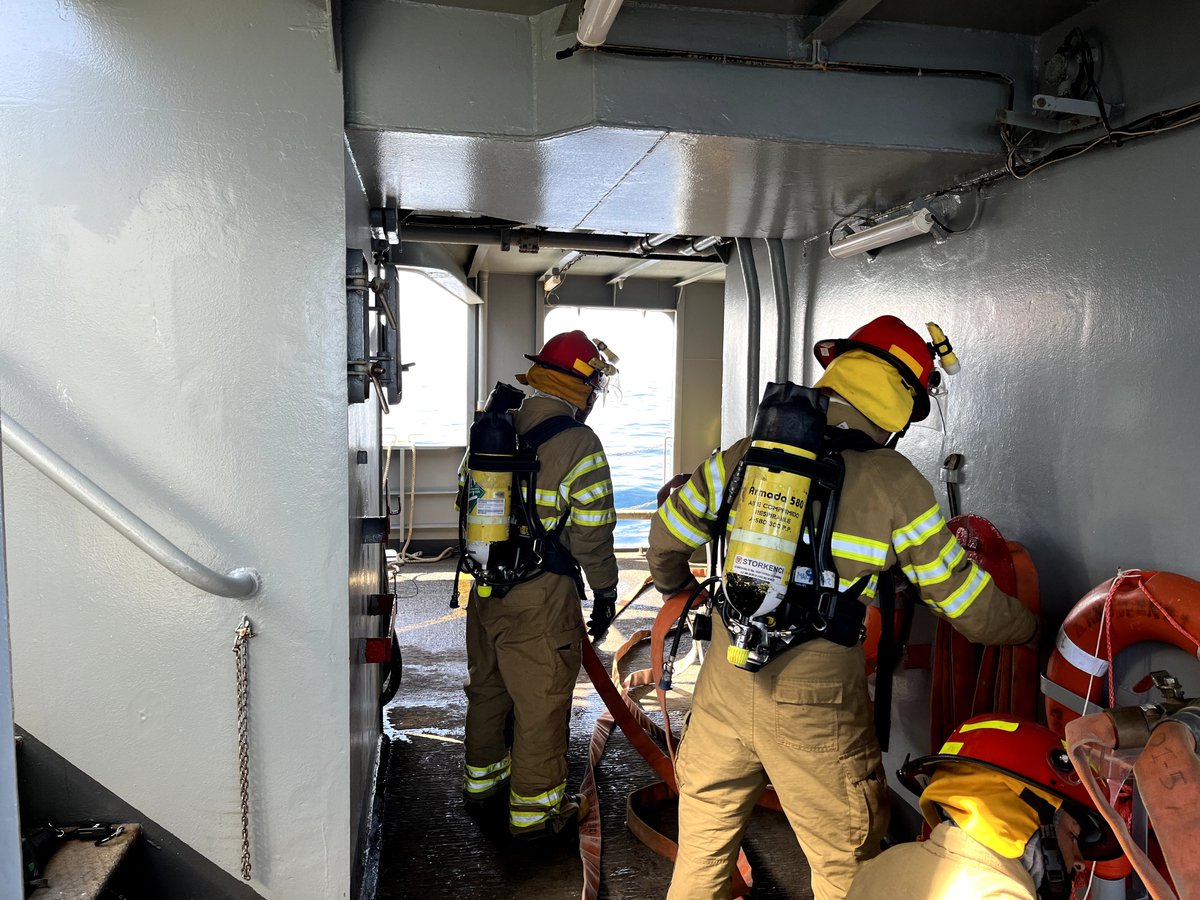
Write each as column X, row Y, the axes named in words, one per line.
column 771, row 62
column 1088, row 64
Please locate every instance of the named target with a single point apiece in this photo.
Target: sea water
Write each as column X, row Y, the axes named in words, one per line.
column 635, row 416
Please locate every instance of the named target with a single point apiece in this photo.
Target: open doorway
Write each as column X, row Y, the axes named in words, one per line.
column 636, row 420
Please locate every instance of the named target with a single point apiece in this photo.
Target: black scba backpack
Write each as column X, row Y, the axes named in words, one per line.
column 529, row 549
column 812, row 605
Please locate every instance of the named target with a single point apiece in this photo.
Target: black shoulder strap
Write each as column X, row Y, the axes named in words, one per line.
column 849, row 439
column 548, row 428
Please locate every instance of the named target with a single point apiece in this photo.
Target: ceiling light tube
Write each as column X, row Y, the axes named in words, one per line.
column 597, row 18
column 902, row 228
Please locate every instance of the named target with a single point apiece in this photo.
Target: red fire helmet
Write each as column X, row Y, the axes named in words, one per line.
column 574, row 354
column 890, row 339
column 1030, row 753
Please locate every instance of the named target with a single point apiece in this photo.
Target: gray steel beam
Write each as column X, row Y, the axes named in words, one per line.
column 477, row 257
column 703, row 273
column 610, row 244
column 620, row 277
column 840, row 19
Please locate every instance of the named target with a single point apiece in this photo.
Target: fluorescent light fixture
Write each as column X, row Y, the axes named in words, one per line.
column 551, row 282
column 899, row 229
column 597, row 18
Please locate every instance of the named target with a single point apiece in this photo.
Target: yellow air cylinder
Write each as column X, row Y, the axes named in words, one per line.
column 489, row 512
column 766, row 532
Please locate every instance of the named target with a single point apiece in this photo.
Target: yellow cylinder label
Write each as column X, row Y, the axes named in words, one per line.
column 768, row 521
column 489, row 506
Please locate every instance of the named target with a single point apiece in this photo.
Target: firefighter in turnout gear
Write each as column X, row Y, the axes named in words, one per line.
column 524, row 639
column 800, row 718
column 1008, row 814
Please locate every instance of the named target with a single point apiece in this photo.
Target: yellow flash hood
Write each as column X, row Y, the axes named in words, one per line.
column 550, row 381
column 986, row 805
column 872, row 386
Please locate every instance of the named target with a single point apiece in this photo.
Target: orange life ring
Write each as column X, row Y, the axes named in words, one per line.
column 1143, row 606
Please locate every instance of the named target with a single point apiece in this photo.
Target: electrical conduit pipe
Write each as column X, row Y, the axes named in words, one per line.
column 745, row 255
column 783, row 308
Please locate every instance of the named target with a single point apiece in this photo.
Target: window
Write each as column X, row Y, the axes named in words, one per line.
column 433, row 336
column 635, row 421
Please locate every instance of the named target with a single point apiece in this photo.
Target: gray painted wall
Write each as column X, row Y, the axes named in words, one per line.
column 174, row 324
column 605, row 143
column 698, row 373
column 1072, row 307
column 514, row 325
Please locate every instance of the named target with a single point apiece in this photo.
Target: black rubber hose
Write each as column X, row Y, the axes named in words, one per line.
column 669, row 662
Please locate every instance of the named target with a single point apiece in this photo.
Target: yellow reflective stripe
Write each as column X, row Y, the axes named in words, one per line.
column 960, row 601
column 695, row 502
column 483, row 785
column 918, row 530
column 550, row 798
column 681, row 529
column 860, row 549
column 994, row 724
column 481, row 771
column 940, row 569
column 529, row 819
column 869, row 591
column 950, row 748
column 549, row 523
column 480, row 779
column 595, row 492
column 547, row 498
column 714, row 479
column 585, row 465
column 593, row 518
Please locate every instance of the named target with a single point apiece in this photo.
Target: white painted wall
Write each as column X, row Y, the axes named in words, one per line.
column 173, row 322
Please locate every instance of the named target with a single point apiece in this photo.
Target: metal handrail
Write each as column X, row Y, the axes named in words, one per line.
column 239, row 583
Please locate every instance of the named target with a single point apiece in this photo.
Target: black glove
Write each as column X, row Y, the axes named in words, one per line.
column 604, row 609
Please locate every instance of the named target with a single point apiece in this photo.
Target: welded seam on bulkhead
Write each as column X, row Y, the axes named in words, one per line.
column 641, row 159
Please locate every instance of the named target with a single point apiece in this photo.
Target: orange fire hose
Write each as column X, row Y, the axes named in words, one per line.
column 1098, row 732
column 644, row 734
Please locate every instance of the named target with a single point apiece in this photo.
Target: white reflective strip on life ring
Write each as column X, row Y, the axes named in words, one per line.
column 1078, row 657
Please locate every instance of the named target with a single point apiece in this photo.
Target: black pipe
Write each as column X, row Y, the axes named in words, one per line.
column 745, row 254
column 609, row 244
column 771, row 62
column 783, row 309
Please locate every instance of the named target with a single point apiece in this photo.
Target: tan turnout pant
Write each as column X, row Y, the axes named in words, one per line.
column 803, row 724
column 523, row 656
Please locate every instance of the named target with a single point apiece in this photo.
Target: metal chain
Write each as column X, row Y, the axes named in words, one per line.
column 244, row 632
